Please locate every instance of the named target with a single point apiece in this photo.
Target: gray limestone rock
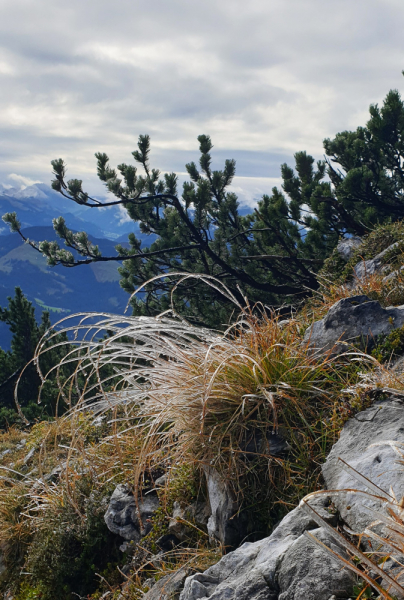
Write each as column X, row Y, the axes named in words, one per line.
column 373, row 265
column 197, row 512
column 169, row 587
column 250, row 572
column 161, row 481
column 316, row 578
column 223, row 524
column 127, row 518
column 384, row 421
column 287, row 565
column 352, row 318
column 346, row 247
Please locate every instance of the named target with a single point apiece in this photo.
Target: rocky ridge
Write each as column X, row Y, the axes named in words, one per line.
column 288, row 565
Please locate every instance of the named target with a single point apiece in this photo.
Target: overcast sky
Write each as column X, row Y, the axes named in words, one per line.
column 264, row 78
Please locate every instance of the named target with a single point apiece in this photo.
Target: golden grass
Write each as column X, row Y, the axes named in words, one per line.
column 158, row 393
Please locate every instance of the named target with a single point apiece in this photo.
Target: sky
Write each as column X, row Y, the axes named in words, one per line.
column 263, row 78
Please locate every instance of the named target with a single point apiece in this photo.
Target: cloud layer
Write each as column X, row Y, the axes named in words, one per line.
column 264, row 78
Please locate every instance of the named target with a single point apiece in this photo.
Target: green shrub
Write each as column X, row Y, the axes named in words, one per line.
column 389, row 346
column 66, row 549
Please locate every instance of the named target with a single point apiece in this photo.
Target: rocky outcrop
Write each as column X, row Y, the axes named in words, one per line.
column 351, row 319
column 363, row 446
column 130, row 519
column 306, row 571
column 373, row 265
column 271, row 570
column 288, row 565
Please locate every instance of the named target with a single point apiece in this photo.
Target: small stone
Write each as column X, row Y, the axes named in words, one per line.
column 169, row 587
column 161, row 481
column 128, row 518
column 181, row 521
column 346, row 247
column 29, row 455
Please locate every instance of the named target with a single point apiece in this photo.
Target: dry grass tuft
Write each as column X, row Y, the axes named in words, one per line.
column 192, row 395
column 159, row 395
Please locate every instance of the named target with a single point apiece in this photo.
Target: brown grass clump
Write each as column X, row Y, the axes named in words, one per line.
column 210, row 399
column 158, row 395
column 374, row 285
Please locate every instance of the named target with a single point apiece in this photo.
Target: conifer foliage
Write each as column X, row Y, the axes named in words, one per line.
column 16, row 365
column 271, row 254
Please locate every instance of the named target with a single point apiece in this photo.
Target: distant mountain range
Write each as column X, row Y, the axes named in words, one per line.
column 60, row 290
column 38, row 204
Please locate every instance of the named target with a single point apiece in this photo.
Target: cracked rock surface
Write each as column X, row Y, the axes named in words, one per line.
column 269, row 570
column 352, row 318
column 127, row 518
column 288, row 565
column 362, row 445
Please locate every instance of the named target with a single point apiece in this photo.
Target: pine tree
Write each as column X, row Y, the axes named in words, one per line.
column 270, row 255
column 20, row 317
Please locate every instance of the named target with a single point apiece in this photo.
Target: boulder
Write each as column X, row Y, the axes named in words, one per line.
column 350, row 319
column 128, row 518
column 252, row 571
column 359, row 446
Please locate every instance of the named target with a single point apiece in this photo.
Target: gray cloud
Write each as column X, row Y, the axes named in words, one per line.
column 264, row 78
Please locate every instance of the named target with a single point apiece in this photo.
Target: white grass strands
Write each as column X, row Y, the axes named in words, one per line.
column 191, row 392
column 196, row 394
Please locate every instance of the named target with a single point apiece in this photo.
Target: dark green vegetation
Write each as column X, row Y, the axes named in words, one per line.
column 16, row 365
column 390, row 346
column 270, row 255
